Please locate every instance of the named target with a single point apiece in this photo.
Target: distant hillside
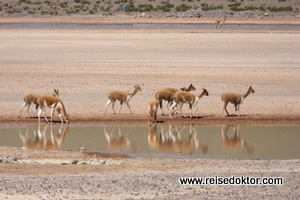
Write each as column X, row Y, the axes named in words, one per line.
column 153, row 8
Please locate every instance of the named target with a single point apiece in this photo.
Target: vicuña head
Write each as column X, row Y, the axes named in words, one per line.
column 236, row 99
column 55, row 104
column 123, row 97
column 190, row 88
column 30, row 98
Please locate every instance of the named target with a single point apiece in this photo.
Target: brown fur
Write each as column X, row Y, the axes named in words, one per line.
column 167, row 95
column 235, row 99
column 219, row 23
column 32, row 98
column 123, row 97
column 182, row 97
column 153, row 107
column 55, row 104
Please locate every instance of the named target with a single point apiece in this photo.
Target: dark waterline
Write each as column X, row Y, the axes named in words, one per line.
column 211, row 142
column 141, row 26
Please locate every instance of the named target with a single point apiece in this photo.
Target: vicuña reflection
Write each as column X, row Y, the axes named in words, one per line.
column 236, row 142
column 121, row 142
column 171, row 140
column 40, row 140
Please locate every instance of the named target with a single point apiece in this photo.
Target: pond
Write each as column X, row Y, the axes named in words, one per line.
column 143, row 26
column 163, row 141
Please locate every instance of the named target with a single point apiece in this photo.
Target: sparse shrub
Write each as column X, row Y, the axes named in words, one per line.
column 165, row 6
column 145, row 7
column 234, row 4
column 205, row 7
column 182, row 8
column 280, row 9
column 85, row 2
column 64, row 4
column 47, row 2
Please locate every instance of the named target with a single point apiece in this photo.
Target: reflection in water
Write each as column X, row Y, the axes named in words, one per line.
column 254, row 142
column 40, row 140
column 171, row 140
column 120, row 143
column 236, row 142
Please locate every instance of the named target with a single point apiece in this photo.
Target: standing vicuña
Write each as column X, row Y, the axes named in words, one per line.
column 187, row 97
column 53, row 103
column 152, row 107
column 167, row 95
column 123, row 97
column 236, row 99
column 219, row 23
column 32, row 98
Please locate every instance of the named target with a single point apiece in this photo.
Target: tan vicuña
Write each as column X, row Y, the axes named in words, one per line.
column 236, row 99
column 123, row 97
column 30, row 98
column 182, row 97
column 55, row 104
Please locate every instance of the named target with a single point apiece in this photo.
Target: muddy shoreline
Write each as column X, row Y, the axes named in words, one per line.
column 142, row 120
column 116, row 20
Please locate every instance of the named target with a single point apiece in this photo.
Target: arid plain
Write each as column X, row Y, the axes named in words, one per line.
column 85, row 64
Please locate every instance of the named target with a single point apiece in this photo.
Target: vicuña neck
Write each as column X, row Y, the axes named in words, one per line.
column 202, row 94
column 247, row 93
column 134, row 92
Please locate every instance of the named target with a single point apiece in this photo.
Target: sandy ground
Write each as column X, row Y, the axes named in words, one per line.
column 85, row 64
column 141, row 178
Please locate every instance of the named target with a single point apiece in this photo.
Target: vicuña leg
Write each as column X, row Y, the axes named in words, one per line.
column 113, row 106
column 129, row 107
column 39, row 115
column 225, row 108
column 121, row 104
column 21, row 108
column 191, row 110
column 35, row 110
column 107, row 104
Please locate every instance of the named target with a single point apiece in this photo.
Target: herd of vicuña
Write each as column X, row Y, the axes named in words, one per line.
column 175, row 99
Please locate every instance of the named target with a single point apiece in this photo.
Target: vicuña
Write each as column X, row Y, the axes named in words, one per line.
column 123, row 97
column 236, row 99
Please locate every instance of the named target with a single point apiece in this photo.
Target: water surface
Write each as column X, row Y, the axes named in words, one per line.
column 240, row 142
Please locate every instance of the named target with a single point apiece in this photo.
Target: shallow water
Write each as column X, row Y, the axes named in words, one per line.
column 144, row 26
column 240, row 142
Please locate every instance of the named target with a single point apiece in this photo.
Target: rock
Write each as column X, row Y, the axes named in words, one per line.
column 96, row 162
column 9, row 160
